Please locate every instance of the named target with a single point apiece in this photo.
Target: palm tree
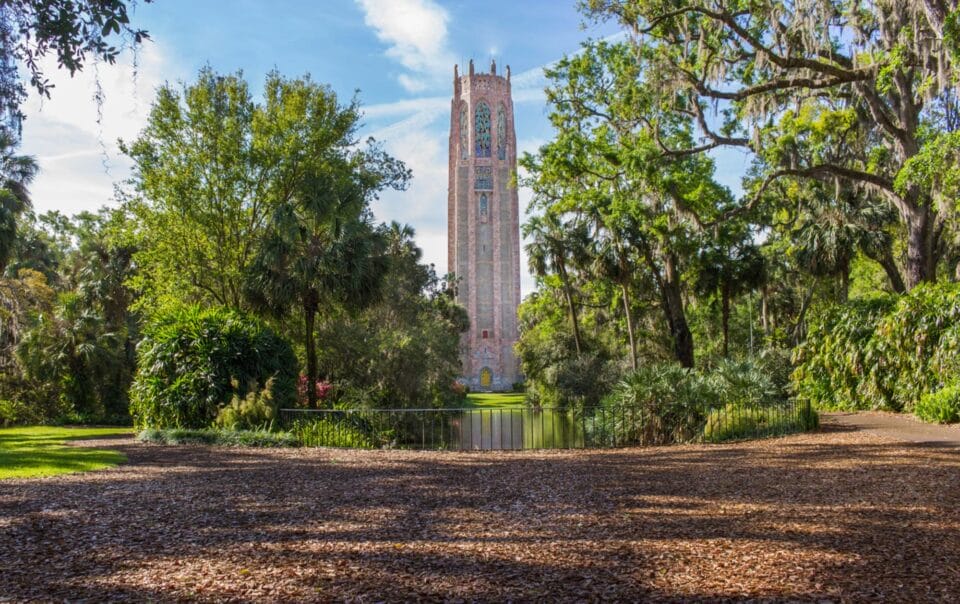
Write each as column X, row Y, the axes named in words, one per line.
column 729, row 265
column 549, row 252
column 830, row 231
column 320, row 250
column 614, row 259
column 16, row 174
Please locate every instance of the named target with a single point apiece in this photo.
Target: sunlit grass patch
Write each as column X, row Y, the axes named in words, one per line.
column 480, row 400
column 40, row 451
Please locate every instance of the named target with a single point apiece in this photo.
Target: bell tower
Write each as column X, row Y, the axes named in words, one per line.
column 483, row 225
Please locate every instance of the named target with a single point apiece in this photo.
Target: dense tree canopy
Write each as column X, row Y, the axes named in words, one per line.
column 844, row 92
column 74, row 31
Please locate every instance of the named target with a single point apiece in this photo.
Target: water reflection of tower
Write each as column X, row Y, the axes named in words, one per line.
column 483, row 224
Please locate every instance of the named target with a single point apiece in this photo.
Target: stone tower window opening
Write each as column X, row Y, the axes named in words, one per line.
column 464, row 132
column 482, row 130
column 484, row 207
column 501, row 133
column 485, row 334
column 483, row 180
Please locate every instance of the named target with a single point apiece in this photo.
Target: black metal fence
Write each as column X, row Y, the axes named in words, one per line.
column 542, row 428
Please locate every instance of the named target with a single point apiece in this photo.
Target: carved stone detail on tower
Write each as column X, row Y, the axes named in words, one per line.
column 483, row 225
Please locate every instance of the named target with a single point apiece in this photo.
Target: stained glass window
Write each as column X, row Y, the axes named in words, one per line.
column 483, row 179
column 464, row 133
column 483, row 206
column 501, row 133
column 482, row 130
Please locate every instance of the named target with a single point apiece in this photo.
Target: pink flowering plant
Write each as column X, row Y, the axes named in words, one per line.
column 322, row 389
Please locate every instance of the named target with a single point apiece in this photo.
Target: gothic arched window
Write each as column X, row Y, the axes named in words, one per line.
column 501, row 133
column 464, row 133
column 484, row 203
column 482, row 130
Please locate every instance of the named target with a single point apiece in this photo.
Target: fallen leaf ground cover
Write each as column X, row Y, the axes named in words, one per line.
column 41, row 451
column 839, row 515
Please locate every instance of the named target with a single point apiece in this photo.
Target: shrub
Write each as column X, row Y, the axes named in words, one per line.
column 832, row 363
column 673, row 402
column 734, row 399
column 735, row 421
column 881, row 353
column 329, row 433
column 254, row 411
column 940, row 407
column 745, row 383
column 223, row 438
column 193, row 361
column 15, row 412
column 732, row 421
column 322, row 389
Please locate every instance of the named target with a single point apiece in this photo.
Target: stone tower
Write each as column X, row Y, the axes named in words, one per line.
column 483, row 225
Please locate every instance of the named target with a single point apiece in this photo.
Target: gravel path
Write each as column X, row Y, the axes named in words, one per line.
column 897, row 426
column 840, row 515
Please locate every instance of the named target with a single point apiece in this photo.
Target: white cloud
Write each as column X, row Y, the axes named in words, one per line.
column 420, row 142
column 79, row 158
column 416, row 34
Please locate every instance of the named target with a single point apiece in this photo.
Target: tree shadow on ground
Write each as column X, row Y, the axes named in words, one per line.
column 830, row 515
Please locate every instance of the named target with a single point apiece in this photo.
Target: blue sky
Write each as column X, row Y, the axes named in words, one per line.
column 399, row 54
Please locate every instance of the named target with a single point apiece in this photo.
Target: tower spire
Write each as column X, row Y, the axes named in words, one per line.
column 483, row 225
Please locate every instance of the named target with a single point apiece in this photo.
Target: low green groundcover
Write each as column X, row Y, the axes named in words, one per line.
column 223, row 438
column 28, row 452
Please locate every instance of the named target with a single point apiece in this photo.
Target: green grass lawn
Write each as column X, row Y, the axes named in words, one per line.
column 494, row 400
column 40, row 451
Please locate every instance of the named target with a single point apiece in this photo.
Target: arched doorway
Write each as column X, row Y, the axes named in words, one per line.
column 486, row 377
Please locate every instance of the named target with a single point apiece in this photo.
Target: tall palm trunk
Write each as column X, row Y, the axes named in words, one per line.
column 571, row 308
column 633, row 341
column 725, row 317
column 309, row 316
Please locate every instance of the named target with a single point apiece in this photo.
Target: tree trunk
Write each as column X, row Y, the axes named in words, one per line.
column 844, row 284
column 921, row 261
column 633, row 341
column 676, row 317
column 572, row 310
column 764, row 311
column 937, row 11
column 310, row 314
column 725, row 317
column 893, row 273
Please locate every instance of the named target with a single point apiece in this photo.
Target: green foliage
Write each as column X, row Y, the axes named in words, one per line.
column 940, row 407
column 403, row 349
column 193, row 361
column 16, row 174
column 674, row 401
column 882, row 353
column 836, row 359
column 556, row 375
column 75, row 349
column 731, row 400
column 330, row 433
column 17, row 413
column 255, row 410
column 217, row 437
column 73, row 31
column 737, row 421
